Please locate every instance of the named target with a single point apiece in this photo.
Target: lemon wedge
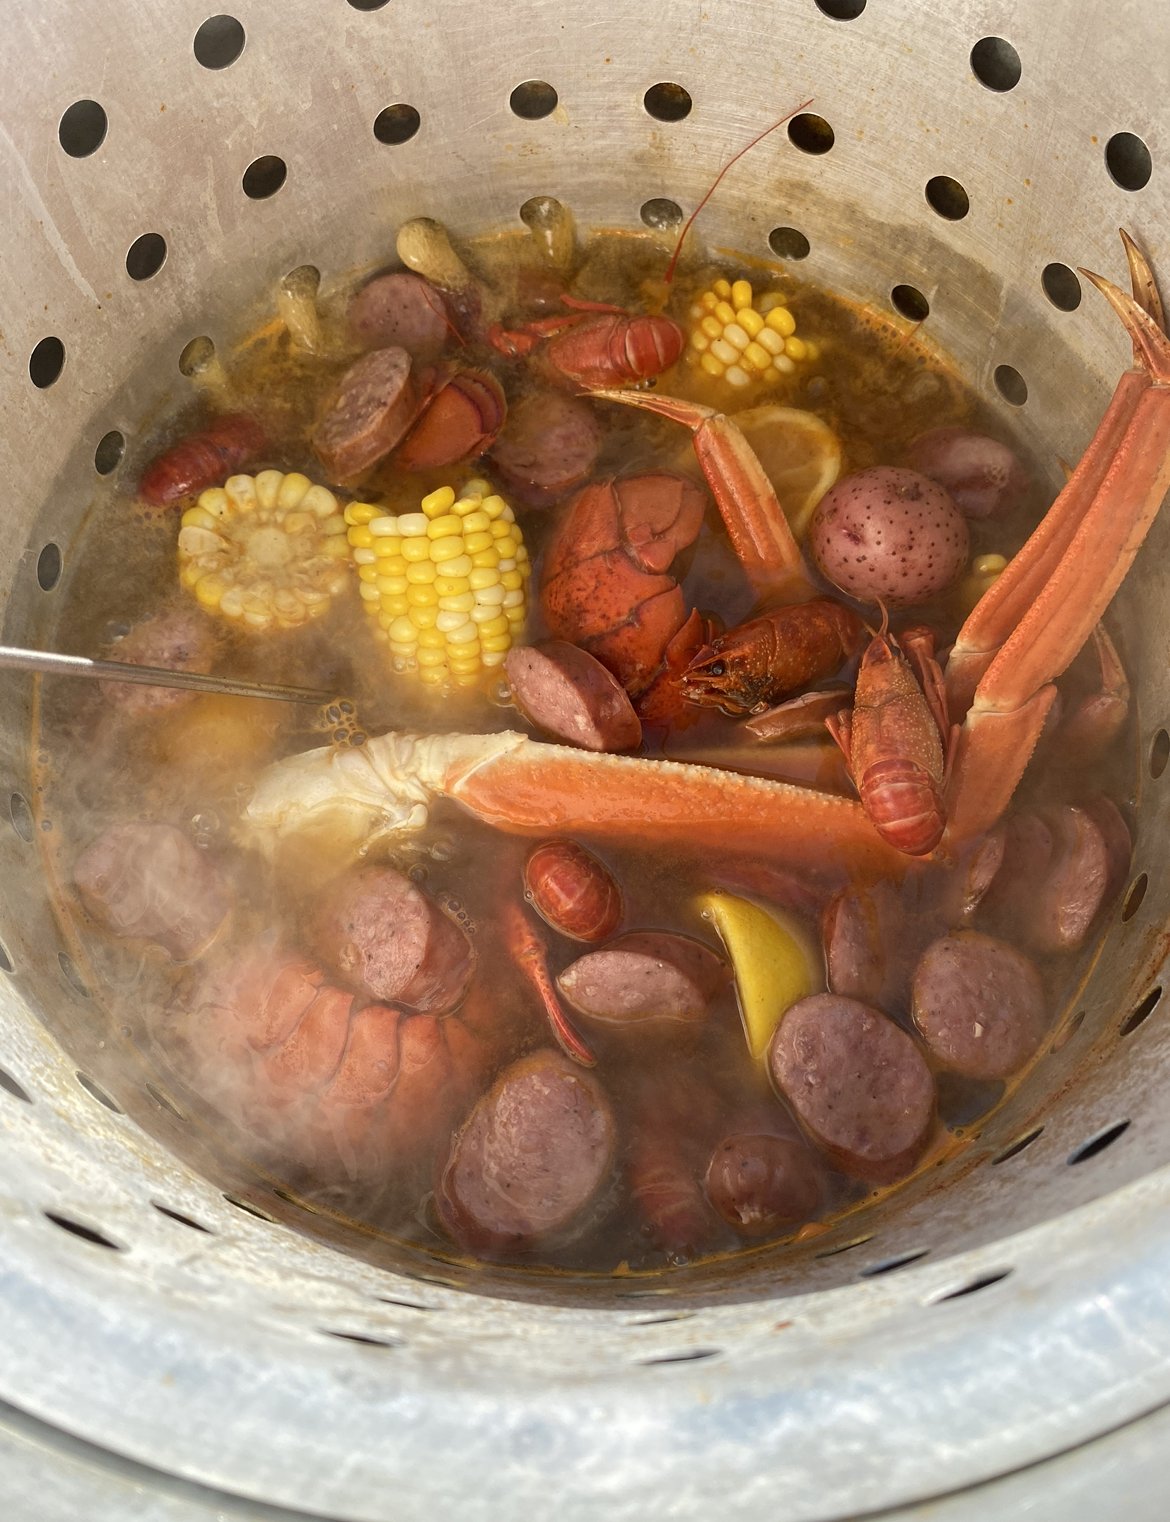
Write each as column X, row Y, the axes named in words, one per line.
column 772, row 957
column 801, row 456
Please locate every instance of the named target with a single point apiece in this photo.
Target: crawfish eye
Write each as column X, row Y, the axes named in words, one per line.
column 717, row 668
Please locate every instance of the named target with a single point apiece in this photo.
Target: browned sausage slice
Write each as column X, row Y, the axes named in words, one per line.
column 979, row 1004
column 384, row 938
column 646, row 978
column 401, row 310
column 549, row 445
column 149, row 880
column 856, row 1082
column 531, row 1157
column 570, row 695
column 761, row 1183
column 181, row 639
column 370, row 410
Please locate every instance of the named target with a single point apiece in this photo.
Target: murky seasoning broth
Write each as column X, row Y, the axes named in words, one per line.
column 258, row 974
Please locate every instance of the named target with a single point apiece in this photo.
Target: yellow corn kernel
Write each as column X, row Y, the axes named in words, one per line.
column 700, row 342
column 422, row 597
column 199, row 517
column 432, row 639
column 367, row 573
column 496, row 642
column 725, row 313
column 482, row 577
column 433, row 676
column 493, row 506
column 368, row 592
column 421, row 573
column 460, row 565
column 451, row 586
column 750, row 321
column 737, row 376
column 458, row 602
column 397, row 607
column 444, row 526
column 412, row 525
column 723, row 352
column 360, row 512
column 493, row 627
column 722, row 288
column 465, row 665
column 781, row 321
column 711, row 365
column 424, row 617
column 448, row 619
column 475, row 542
column 431, row 657
column 436, row 503
column 989, row 565
column 416, row 549
column 711, row 327
column 476, row 522
column 735, row 336
column 741, row 293
column 209, row 590
column 485, row 559
column 756, row 356
column 392, row 586
column 442, row 551
column 511, row 581
column 403, row 631
column 360, row 537
column 795, row 348
column 491, row 596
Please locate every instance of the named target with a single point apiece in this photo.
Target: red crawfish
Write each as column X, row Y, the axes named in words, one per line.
column 595, row 344
column 892, row 740
column 754, row 665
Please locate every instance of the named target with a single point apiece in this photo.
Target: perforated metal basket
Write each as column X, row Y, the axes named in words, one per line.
column 175, row 1348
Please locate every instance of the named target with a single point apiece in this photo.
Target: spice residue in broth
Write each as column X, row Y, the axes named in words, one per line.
column 193, row 766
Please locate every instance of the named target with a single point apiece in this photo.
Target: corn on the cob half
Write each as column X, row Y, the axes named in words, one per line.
column 446, row 584
column 267, row 550
column 739, row 339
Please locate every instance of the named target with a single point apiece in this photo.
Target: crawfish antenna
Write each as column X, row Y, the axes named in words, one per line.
column 735, row 157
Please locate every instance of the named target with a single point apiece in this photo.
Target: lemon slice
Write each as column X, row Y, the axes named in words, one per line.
column 772, row 957
column 801, row 456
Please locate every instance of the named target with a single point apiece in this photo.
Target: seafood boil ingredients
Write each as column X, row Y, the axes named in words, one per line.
column 710, row 820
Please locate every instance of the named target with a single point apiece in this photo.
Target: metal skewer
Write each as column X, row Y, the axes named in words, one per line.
column 48, row 663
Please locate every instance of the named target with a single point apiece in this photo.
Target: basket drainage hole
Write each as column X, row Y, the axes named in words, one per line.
column 95, row 1091
column 249, row 1209
column 1159, row 754
column 788, row 243
column 996, row 64
column 366, row 1342
column 1011, row 385
column 21, row 816
column 983, row 1281
column 667, row 102
column 947, row 197
column 6, row 962
column 163, row 1102
column 49, row 567
column 183, row 1220
column 831, row 1252
column 146, row 256
column 72, row 976
column 841, row 10
column 1143, row 1012
column 219, row 42
column 1061, row 286
column 82, row 129
column 396, row 124
column 10, row 1086
column 264, row 177
column 810, row 133
column 533, row 99
column 1128, row 161
column 1133, row 899
column 1018, row 1146
column 108, row 454
column 46, row 362
column 889, row 1265
column 368, row 5
column 909, row 301
column 197, row 355
column 661, row 214
column 1098, row 1143
column 86, row 1233
column 692, row 1355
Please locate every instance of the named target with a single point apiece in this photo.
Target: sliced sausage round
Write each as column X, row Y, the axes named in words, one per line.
column 179, row 638
column 570, row 695
column 202, row 459
column 1056, row 876
column 401, row 310
column 647, row 978
column 856, row 1082
column 530, row 1159
column 549, row 445
column 383, row 937
column 979, row 1005
column 368, row 413
column 761, row 1183
column 148, row 880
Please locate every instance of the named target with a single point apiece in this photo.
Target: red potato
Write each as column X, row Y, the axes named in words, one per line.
column 979, row 1005
column 857, row 1083
column 386, row 939
column 982, row 476
column 179, row 638
column 367, row 414
column 570, row 695
column 531, row 1158
column 401, row 310
column 548, row 446
column 202, row 459
column 149, row 881
column 889, row 534
column 644, row 980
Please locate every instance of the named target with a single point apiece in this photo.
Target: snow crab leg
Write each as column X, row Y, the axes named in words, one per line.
column 1037, row 617
column 528, row 787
